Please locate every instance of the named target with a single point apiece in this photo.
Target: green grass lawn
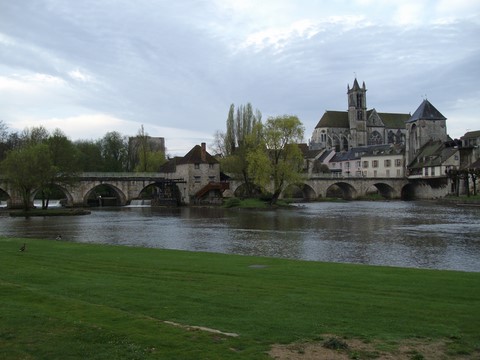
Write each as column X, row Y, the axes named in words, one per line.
column 63, row 300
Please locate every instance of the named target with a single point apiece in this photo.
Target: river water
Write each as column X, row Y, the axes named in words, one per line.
column 395, row 233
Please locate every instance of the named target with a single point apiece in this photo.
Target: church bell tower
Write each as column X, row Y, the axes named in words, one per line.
column 357, row 113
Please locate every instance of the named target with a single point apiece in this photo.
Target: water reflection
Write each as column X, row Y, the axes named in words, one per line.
column 411, row 234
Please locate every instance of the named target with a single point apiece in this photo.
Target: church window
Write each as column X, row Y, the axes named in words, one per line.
column 360, row 115
column 375, row 138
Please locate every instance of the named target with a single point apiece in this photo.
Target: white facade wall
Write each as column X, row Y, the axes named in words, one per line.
column 383, row 166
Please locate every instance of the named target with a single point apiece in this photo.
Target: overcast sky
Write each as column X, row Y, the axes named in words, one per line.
column 93, row 66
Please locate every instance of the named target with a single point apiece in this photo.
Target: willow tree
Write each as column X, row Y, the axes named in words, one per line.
column 241, row 136
column 278, row 161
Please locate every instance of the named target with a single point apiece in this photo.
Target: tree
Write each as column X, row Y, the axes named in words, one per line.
column 64, row 158
column 278, row 160
column 114, row 149
column 34, row 135
column 28, row 168
column 89, row 155
column 242, row 135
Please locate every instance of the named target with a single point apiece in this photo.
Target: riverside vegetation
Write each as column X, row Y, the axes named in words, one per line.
column 68, row 300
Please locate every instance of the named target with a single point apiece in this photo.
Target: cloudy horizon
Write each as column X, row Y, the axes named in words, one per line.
column 91, row 67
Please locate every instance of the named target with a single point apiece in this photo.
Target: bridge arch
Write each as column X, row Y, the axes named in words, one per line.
column 300, row 191
column 240, row 190
column 104, row 194
column 162, row 193
column 385, row 190
column 341, row 189
column 67, row 199
column 4, row 198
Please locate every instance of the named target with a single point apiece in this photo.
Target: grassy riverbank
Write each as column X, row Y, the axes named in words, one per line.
column 63, row 300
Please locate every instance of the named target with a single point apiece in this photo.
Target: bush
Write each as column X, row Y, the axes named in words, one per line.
column 232, row 202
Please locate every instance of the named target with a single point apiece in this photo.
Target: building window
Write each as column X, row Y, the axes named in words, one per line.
column 211, row 166
column 211, row 178
column 374, row 173
column 365, row 164
column 426, row 172
column 197, row 179
column 375, row 163
column 197, row 165
column 399, row 173
column 359, row 164
column 398, row 162
column 388, row 163
column 388, row 173
column 432, row 171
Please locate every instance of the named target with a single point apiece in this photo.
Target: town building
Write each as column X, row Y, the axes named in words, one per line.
column 201, row 174
column 366, row 143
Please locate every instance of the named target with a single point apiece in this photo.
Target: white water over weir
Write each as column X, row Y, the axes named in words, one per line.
column 140, row 203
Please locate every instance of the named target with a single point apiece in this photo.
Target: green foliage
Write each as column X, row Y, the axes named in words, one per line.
column 69, row 300
column 40, row 162
column 89, row 155
column 29, row 168
column 278, row 158
column 114, row 147
column 242, row 135
column 232, row 202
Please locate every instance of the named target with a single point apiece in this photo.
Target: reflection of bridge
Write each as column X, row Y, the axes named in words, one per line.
column 89, row 189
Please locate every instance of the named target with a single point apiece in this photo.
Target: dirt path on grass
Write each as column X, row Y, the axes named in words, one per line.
column 357, row 349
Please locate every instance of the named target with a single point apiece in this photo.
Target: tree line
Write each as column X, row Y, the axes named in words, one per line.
column 36, row 160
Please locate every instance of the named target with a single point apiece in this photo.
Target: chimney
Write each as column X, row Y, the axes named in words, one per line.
column 204, row 152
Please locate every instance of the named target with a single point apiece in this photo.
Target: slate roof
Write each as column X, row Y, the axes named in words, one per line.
column 394, row 121
column 426, row 111
column 471, row 134
column 363, row 151
column 339, row 119
column 334, row 119
column 433, row 153
column 194, row 156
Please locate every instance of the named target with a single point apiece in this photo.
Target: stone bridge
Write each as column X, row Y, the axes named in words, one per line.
column 351, row 188
column 122, row 188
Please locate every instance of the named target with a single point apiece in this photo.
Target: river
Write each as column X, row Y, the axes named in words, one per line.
column 395, row 233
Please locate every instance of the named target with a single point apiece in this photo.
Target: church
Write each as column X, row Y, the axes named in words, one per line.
column 343, row 130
